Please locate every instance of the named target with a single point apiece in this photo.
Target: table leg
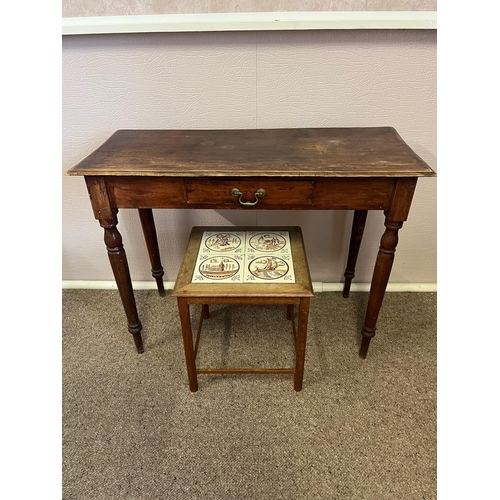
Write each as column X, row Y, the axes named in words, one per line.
column 358, row 227
column 187, row 336
column 118, row 260
column 381, row 274
column 300, row 345
column 148, row 227
column 205, row 311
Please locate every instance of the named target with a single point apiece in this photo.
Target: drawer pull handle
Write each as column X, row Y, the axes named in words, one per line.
column 258, row 194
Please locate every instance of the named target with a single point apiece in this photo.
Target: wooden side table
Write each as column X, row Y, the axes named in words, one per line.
column 359, row 169
column 214, row 272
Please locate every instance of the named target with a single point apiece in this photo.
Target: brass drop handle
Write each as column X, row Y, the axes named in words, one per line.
column 258, row 194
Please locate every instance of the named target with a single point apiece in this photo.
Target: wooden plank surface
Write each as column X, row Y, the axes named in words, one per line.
column 318, row 152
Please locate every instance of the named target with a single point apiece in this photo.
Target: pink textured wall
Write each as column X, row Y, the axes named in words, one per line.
column 283, row 79
column 83, row 8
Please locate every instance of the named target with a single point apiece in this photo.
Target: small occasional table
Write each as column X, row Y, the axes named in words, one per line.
column 356, row 169
column 244, row 265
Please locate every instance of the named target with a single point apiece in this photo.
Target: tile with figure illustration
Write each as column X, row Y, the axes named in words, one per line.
column 244, row 257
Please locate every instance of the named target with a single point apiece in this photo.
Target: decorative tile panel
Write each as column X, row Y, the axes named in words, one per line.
column 244, row 257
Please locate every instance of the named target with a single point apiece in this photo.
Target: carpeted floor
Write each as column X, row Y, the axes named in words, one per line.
column 359, row 429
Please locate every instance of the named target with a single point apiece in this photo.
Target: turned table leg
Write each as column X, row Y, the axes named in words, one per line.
column 148, row 227
column 119, row 265
column 358, row 227
column 381, row 274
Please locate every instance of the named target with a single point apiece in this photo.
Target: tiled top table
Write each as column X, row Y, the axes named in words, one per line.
column 356, row 169
column 252, row 265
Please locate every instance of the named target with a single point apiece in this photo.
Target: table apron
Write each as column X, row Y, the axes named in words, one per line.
column 214, row 193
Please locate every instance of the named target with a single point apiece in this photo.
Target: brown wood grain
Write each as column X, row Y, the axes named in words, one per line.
column 279, row 193
column 316, row 194
column 310, row 152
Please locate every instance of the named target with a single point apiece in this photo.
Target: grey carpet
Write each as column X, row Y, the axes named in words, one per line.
column 359, row 429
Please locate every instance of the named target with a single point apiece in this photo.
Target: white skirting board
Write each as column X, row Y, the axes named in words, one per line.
column 317, row 285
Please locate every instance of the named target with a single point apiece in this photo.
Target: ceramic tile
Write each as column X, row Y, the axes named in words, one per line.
column 268, row 242
column 244, row 257
column 223, row 242
column 268, row 257
column 268, row 268
column 216, row 268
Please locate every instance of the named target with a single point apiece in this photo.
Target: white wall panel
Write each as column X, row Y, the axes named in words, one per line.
column 249, row 80
column 358, row 79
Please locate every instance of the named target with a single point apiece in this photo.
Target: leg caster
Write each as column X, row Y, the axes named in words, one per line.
column 135, row 330
column 367, row 335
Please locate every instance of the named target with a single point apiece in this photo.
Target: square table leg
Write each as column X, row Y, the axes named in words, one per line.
column 300, row 345
column 187, row 336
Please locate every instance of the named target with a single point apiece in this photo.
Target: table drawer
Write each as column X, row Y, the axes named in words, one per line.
column 249, row 193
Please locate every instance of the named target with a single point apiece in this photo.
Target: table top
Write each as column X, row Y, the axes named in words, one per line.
column 185, row 286
column 298, row 152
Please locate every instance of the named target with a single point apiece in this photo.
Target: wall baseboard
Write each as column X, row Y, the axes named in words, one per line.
column 317, row 285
